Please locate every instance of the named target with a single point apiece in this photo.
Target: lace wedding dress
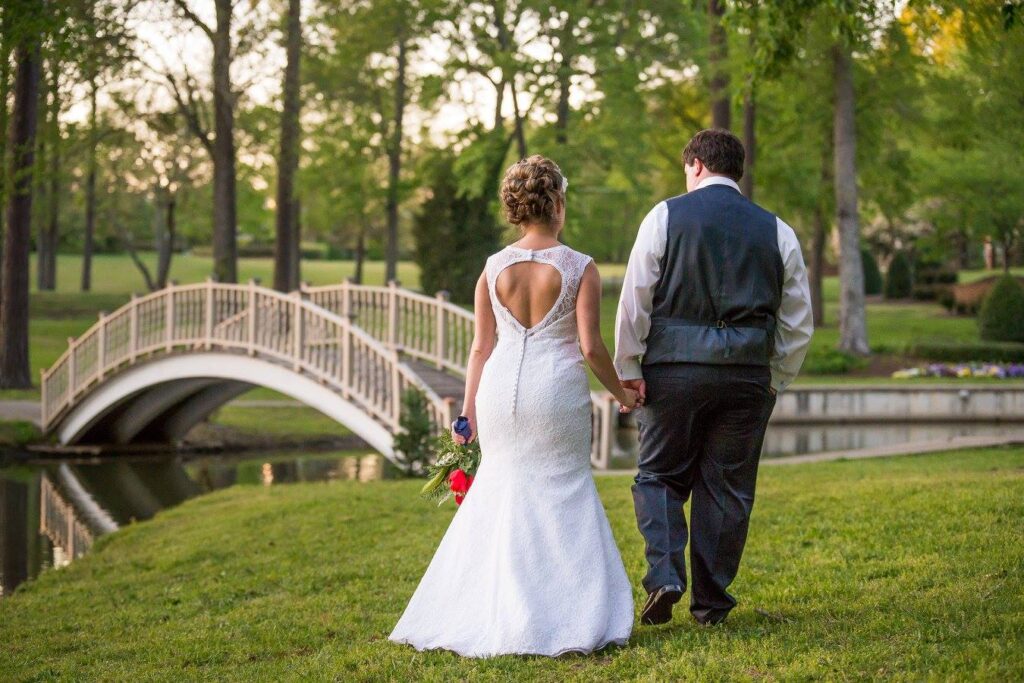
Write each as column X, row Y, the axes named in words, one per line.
column 528, row 564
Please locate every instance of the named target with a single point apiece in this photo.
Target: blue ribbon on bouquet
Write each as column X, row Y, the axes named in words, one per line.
column 462, row 427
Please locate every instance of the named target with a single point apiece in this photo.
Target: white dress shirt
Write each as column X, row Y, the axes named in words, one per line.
column 794, row 322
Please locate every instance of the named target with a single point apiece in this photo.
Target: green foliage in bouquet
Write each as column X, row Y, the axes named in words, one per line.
column 451, row 456
column 413, row 443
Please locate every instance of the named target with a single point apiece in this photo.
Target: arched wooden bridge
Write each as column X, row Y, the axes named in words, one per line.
column 148, row 372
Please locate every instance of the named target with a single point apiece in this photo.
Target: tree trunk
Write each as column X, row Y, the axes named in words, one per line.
column 360, row 255
column 718, row 75
column 295, row 250
column 853, row 334
column 225, row 248
column 562, row 107
column 14, row 365
column 818, row 265
column 286, row 275
column 5, row 89
column 520, row 132
column 165, row 245
column 750, row 140
column 395, row 164
column 49, row 237
column 90, row 192
column 821, row 231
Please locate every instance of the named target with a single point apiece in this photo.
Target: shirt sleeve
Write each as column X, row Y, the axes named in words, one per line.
column 633, row 316
column 795, row 322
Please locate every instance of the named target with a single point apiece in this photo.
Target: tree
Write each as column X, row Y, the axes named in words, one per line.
column 286, row 251
column 455, row 230
column 14, row 364
column 100, row 44
column 369, row 47
column 222, row 145
column 853, row 332
column 718, row 72
column 49, row 231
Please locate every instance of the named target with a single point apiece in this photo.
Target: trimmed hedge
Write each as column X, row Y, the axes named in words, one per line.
column 982, row 352
column 899, row 281
column 872, row 275
column 830, row 362
column 1001, row 317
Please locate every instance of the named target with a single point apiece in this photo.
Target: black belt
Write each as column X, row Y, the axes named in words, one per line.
column 720, row 324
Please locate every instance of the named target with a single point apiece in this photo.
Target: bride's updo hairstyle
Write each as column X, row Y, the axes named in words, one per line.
column 531, row 190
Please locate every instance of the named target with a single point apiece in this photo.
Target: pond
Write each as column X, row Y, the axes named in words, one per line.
column 51, row 510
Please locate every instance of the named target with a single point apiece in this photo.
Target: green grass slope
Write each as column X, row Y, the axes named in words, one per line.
column 905, row 568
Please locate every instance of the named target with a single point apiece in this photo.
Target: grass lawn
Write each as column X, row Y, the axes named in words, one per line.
column 282, row 422
column 903, row 568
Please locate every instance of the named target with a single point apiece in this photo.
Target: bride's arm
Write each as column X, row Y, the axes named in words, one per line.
column 588, row 322
column 484, row 336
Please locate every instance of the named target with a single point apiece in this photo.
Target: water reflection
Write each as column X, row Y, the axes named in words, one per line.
column 51, row 512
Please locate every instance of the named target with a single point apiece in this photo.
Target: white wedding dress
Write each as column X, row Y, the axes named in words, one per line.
column 528, row 564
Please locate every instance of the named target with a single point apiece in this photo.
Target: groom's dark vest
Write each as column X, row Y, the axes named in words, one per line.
column 720, row 284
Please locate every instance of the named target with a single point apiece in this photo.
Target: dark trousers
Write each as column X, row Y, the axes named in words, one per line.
column 701, row 431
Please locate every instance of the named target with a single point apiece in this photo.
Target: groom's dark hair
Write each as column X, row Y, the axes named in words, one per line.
column 718, row 149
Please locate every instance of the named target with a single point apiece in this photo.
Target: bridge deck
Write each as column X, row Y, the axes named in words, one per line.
column 445, row 384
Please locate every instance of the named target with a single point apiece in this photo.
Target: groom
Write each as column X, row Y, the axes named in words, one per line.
column 714, row 320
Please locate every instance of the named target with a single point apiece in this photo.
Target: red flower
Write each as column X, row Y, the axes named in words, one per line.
column 459, row 483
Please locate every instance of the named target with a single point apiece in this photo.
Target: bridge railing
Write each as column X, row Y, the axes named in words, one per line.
column 284, row 328
column 435, row 330
column 430, row 328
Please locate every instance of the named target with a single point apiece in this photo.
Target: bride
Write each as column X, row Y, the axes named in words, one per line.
column 529, row 555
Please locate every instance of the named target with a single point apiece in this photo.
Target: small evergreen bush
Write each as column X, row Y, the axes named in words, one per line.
column 1001, row 318
column 872, row 275
column 899, row 281
column 414, row 443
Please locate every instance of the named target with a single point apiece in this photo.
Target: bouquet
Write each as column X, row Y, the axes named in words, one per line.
column 453, row 469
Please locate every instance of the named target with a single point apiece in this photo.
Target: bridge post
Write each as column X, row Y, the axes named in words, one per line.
column 101, row 344
column 71, row 367
column 396, row 389
column 346, row 299
column 252, row 316
column 441, row 334
column 208, row 333
column 393, row 314
column 168, row 295
column 133, row 327
column 298, row 341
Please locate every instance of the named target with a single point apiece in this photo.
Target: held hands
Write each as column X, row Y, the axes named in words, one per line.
column 632, row 400
column 635, row 394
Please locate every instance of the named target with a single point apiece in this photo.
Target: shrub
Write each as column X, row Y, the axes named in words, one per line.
column 932, row 279
column 1001, row 317
column 899, row 281
column 830, row 362
column 953, row 352
column 414, row 443
column 872, row 275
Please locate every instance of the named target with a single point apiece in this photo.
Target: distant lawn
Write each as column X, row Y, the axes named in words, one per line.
column 67, row 312
column 897, row 569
